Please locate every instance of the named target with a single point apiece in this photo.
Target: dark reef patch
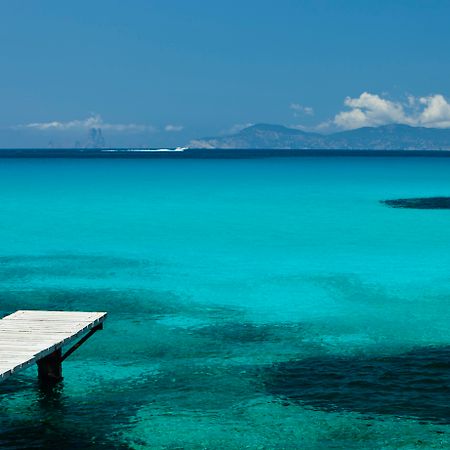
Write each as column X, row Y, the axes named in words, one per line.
column 120, row 303
column 61, row 265
column 155, row 304
column 419, row 203
column 414, row 384
column 247, row 332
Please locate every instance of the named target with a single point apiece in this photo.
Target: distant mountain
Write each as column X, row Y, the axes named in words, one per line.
column 96, row 139
column 387, row 137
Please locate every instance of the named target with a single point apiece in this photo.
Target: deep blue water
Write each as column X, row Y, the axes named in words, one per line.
column 253, row 303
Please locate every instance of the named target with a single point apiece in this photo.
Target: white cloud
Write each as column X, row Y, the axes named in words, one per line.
column 300, row 109
column 436, row 112
column 94, row 121
column 173, row 128
column 371, row 110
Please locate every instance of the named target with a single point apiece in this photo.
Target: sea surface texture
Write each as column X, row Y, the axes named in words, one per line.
column 253, row 303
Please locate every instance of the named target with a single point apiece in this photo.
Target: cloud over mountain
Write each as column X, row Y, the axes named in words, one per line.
column 371, row 110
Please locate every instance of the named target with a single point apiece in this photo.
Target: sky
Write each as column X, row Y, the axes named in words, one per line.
column 166, row 71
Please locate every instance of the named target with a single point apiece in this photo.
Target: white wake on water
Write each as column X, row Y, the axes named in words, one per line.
column 177, row 149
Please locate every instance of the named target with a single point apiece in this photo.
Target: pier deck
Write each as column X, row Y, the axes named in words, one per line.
column 28, row 337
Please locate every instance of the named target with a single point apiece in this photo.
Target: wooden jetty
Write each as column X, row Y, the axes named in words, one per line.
column 28, row 337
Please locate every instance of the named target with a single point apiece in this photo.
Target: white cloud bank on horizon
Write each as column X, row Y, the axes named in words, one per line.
column 94, row 121
column 371, row 110
column 173, row 128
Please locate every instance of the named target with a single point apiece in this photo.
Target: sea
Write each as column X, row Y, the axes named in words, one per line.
column 254, row 301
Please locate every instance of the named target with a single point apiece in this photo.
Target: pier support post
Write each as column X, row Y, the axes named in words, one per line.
column 50, row 368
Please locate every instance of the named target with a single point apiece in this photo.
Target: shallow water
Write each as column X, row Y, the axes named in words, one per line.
column 264, row 303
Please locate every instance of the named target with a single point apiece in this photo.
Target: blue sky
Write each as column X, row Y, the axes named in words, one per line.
column 176, row 70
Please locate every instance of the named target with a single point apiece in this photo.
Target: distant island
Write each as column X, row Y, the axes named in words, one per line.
column 256, row 137
column 387, row 137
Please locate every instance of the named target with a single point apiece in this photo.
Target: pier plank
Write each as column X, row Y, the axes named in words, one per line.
column 27, row 336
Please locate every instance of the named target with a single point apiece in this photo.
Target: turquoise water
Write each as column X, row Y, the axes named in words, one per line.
column 263, row 303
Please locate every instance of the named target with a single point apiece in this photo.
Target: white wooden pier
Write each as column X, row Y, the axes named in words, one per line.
column 28, row 337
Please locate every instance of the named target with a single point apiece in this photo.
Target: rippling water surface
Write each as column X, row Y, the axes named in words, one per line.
column 264, row 303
